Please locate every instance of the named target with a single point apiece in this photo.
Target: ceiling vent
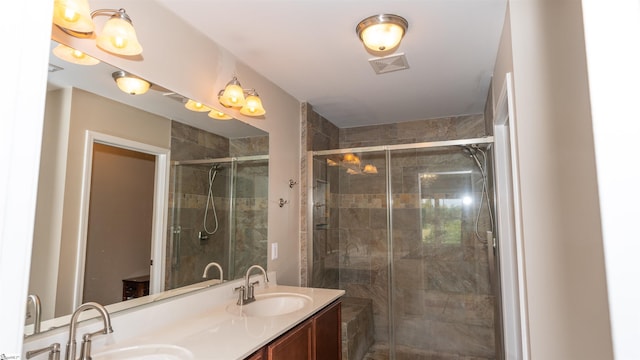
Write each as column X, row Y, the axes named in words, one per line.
column 176, row 97
column 389, row 63
column 54, row 68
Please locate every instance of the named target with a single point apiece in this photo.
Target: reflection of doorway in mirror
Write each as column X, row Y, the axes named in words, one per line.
column 120, row 221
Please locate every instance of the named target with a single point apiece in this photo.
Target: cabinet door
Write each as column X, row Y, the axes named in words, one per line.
column 294, row 345
column 258, row 355
column 328, row 333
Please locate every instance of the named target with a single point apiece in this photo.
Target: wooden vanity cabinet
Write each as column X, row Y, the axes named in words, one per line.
column 295, row 344
column 318, row 338
column 327, row 327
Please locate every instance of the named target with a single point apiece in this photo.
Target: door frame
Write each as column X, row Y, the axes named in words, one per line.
column 159, row 217
column 510, row 247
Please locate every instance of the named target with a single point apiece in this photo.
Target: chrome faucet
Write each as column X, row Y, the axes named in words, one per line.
column 53, row 350
column 85, row 351
column 246, row 292
column 211, row 264
column 37, row 309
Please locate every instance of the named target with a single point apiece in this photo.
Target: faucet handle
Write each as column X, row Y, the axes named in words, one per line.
column 241, row 294
column 53, row 349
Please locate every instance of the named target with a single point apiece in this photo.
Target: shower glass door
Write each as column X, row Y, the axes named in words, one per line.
column 403, row 230
column 442, row 304
column 350, row 243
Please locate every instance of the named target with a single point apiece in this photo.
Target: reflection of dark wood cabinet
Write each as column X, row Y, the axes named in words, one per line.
column 318, row 338
column 135, row 287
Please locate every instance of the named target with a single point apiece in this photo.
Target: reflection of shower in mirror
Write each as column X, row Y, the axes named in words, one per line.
column 213, row 171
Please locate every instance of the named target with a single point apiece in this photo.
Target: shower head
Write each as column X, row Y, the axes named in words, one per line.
column 216, row 167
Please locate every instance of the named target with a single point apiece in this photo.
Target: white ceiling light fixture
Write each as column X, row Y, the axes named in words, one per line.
column 131, row 84
column 382, row 33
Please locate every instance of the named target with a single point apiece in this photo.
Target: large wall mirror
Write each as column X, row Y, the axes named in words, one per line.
column 137, row 195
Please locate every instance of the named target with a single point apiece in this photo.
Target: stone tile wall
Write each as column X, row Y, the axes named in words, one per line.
column 443, row 304
column 187, row 254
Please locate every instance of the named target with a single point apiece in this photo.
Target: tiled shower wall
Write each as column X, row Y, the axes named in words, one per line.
column 187, row 263
column 443, row 305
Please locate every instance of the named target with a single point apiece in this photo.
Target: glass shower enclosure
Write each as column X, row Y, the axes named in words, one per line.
column 218, row 213
column 406, row 231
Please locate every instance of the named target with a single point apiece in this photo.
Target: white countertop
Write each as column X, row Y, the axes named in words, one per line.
column 218, row 334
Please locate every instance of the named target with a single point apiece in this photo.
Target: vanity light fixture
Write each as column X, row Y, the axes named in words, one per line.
column 131, row 84
column 246, row 100
column 74, row 56
column 232, row 95
column 252, row 105
column 117, row 36
column 73, row 15
column 381, row 33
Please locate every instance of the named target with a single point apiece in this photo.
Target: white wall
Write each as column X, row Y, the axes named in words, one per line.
column 21, row 114
column 612, row 32
column 563, row 246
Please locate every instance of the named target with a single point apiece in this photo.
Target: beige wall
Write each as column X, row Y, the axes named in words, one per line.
column 91, row 112
column 563, row 252
column 182, row 59
column 48, row 220
column 120, row 221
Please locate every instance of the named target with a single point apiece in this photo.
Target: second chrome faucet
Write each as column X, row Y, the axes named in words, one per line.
column 85, row 351
column 246, row 292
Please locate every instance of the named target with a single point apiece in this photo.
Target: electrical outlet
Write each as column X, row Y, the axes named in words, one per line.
column 274, row 251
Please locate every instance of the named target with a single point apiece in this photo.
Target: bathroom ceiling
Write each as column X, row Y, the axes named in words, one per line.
column 310, row 49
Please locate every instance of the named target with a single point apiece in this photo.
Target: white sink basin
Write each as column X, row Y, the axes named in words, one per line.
column 273, row 304
column 146, row 352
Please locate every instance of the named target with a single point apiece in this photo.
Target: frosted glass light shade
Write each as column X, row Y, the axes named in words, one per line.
column 131, row 84
column 74, row 56
column 382, row 32
column 196, row 106
column 73, row 15
column 119, row 37
column 253, row 106
column 218, row 115
column 233, row 95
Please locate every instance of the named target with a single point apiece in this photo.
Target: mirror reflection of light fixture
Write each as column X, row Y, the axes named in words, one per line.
column 246, row 100
column 219, row 115
column 74, row 56
column 382, row 32
column 117, row 36
column 73, row 15
column 370, row 169
column 196, row 106
column 131, row 84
